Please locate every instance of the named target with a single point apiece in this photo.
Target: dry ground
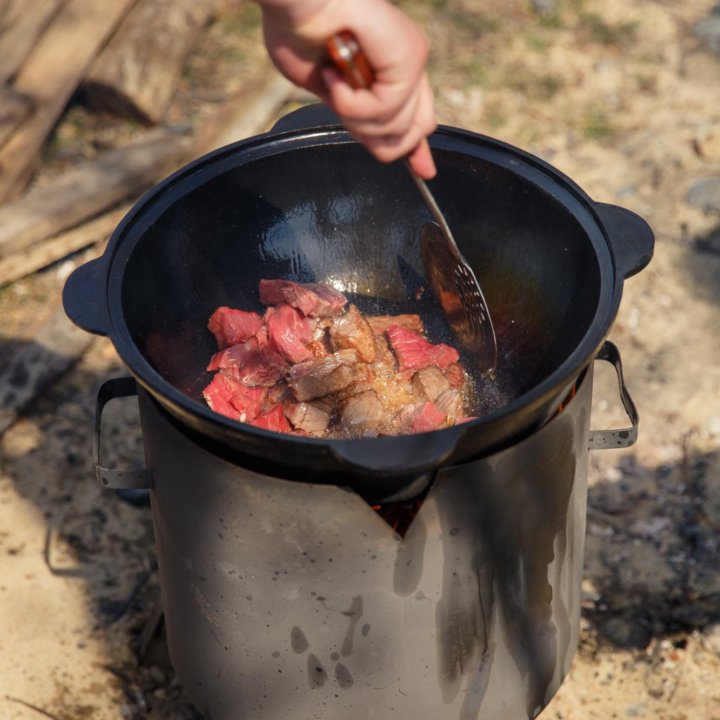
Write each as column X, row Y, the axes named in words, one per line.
column 622, row 97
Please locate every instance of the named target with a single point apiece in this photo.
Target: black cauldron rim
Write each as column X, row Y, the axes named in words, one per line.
column 623, row 241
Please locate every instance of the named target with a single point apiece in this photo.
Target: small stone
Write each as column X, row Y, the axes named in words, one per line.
column 64, row 270
column 636, row 710
column 626, row 632
column 544, row 7
column 711, row 639
column 705, row 194
column 710, row 243
column 626, row 192
column 714, row 425
column 708, row 30
column 707, row 142
column 157, row 675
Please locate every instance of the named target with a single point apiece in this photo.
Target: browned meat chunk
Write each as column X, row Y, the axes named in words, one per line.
column 311, row 299
column 364, row 415
column 380, row 323
column 455, row 375
column 429, row 383
column 351, row 331
column 308, row 417
column 317, row 378
column 450, row 402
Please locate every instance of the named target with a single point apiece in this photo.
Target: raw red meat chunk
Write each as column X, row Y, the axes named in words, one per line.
column 311, row 299
column 231, row 326
column 231, row 397
column 233, row 356
column 422, row 417
column 414, row 352
column 315, row 366
column 273, row 419
column 289, row 332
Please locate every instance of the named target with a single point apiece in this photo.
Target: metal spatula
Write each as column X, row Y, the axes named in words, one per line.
column 459, row 294
column 452, row 279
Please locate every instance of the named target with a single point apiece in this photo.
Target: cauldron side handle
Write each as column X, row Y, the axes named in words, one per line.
column 630, row 237
column 315, row 115
column 85, row 297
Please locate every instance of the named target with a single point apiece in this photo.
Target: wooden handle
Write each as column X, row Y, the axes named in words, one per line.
column 349, row 59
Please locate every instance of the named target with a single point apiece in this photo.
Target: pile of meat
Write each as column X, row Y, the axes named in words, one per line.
column 314, row 365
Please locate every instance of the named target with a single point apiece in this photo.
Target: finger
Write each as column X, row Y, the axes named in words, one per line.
column 421, row 161
column 392, row 147
column 380, row 104
column 302, row 71
column 398, row 124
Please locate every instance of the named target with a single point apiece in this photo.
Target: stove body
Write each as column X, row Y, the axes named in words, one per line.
column 293, row 599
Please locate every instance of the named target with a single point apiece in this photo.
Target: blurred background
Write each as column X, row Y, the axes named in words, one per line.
column 100, row 99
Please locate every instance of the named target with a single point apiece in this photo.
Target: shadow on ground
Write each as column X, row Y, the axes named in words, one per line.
column 653, row 550
column 703, row 264
column 652, row 558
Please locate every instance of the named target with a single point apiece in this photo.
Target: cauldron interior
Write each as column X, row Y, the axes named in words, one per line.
column 327, row 212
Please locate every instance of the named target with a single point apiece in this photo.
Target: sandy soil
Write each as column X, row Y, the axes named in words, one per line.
column 625, row 99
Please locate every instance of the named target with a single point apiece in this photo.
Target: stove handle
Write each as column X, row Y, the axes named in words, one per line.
column 114, row 478
column 609, row 439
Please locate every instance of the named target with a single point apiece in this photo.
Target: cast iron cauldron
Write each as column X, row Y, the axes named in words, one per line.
column 306, row 202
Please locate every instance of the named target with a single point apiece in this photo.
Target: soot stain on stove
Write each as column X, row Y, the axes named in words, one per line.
column 343, row 677
column 298, row 641
column 510, row 509
column 354, row 612
column 317, row 675
column 409, row 558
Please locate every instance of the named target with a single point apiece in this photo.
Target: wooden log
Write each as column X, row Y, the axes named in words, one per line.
column 14, row 108
column 137, row 73
column 40, row 255
column 250, row 115
column 53, row 350
column 50, row 76
column 21, row 24
column 91, row 188
column 88, row 189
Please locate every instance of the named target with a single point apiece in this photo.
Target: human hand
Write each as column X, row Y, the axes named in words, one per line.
column 396, row 114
